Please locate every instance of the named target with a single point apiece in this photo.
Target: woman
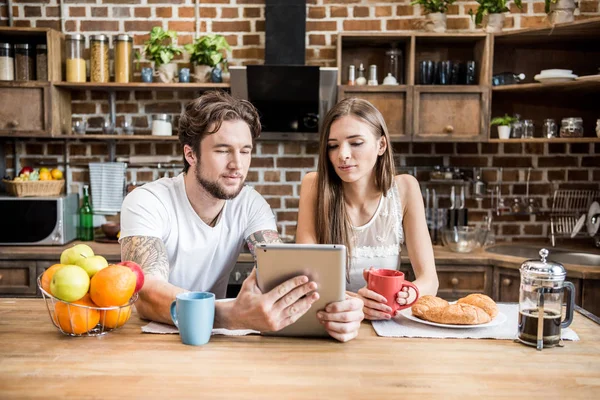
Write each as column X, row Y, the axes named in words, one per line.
column 355, row 199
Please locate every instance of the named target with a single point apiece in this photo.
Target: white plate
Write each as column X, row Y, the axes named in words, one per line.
column 556, row 72
column 554, row 78
column 591, row 227
column 578, row 225
column 500, row 319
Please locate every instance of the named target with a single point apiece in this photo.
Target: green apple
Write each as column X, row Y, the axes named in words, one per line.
column 92, row 264
column 71, row 284
column 72, row 255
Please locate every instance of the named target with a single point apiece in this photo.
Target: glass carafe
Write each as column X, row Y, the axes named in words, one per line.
column 541, row 294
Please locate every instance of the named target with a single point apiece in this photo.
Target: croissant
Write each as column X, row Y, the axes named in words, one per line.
column 427, row 302
column 482, row 301
column 458, row 314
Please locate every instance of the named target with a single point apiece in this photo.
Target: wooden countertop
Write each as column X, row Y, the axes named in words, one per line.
column 443, row 256
column 37, row 361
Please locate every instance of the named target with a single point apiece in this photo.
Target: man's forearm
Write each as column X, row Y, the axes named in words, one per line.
column 224, row 315
column 155, row 300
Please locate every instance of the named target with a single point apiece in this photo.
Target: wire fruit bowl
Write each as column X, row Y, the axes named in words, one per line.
column 80, row 320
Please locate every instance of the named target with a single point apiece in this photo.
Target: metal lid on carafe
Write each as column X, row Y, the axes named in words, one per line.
column 544, row 269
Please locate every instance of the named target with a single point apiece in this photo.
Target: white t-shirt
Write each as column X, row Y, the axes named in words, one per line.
column 201, row 257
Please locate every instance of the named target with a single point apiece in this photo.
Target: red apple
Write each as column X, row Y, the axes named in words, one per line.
column 25, row 170
column 137, row 270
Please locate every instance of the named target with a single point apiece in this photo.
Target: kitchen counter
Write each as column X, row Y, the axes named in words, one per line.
column 37, row 361
column 112, row 251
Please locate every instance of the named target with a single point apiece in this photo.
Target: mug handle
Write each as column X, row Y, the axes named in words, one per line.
column 415, row 288
column 174, row 313
column 570, row 304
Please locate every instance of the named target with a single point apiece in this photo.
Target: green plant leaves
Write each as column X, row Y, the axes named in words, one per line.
column 159, row 48
column 491, row 7
column 208, row 50
column 505, row 121
column 433, row 6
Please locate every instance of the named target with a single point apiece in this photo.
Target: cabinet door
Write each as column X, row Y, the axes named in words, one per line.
column 450, row 113
column 506, row 285
column 25, row 109
column 591, row 296
column 457, row 281
column 18, row 278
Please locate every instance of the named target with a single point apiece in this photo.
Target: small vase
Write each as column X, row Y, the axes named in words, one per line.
column 167, row 73
column 202, row 73
column 495, row 22
column 215, row 75
column 184, row 75
column 147, row 74
column 436, row 22
column 562, row 11
column 503, row 132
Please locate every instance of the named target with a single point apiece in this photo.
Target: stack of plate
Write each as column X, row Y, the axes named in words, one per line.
column 555, row 75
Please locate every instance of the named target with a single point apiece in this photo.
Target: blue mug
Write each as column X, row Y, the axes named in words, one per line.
column 147, row 73
column 184, row 75
column 193, row 313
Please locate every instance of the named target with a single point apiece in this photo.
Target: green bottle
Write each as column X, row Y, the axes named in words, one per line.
column 86, row 217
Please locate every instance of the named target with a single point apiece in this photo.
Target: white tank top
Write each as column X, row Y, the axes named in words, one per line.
column 378, row 242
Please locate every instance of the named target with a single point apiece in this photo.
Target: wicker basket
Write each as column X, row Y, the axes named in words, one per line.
column 34, row 188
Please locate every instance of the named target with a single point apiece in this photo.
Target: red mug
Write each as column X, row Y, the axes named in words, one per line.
column 388, row 282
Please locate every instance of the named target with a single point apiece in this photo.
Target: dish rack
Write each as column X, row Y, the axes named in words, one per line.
column 568, row 206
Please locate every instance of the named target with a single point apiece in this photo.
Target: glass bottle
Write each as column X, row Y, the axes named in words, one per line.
column 124, row 59
column 86, row 217
column 75, row 62
column 392, row 64
column 361, row 80
column 7, row 62
column 41, row 62
column 99, row 59
column 550, row 129
column 24, row 65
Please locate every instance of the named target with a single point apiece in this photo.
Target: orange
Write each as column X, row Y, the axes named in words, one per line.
column 45, row 176
column 112, row 286
column 74, row 319
column 112, row 318
column 47, row 276
column 56, row 174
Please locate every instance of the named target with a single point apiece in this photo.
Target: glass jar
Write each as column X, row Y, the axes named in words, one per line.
column 76, row 71
column 549, row 130
column 392, row 65
column 41, row 62
column 528, row 129
column 161, row 125
column 99, row 59
column 124, row 59
column 24, row 66
column 7, row 62
column 571, row 127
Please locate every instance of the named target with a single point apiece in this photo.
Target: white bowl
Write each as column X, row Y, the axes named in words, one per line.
column 556, row 72
column 554, row 78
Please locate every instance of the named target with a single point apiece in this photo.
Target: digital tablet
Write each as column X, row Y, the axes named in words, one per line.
column 322, row 263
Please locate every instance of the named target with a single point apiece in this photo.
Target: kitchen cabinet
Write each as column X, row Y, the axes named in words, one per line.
column 456, row 281
column 18, row 278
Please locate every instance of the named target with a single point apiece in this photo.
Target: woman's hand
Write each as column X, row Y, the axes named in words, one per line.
column 375, row 305
column 402, row 298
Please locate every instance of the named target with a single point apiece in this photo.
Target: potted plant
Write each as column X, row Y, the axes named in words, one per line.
column 503, row 125
column 160, row 50
column 206, row 53
column 560, row 11
column 436, row 13
column 493, row 11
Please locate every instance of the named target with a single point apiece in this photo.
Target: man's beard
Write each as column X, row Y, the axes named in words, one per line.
column 214, row 188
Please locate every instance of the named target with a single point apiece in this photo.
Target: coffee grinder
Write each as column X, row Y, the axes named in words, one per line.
column 541, row 300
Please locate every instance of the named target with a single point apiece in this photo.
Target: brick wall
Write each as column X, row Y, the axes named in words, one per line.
column 277, row 168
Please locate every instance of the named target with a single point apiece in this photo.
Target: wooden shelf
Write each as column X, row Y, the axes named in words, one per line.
column 451, row 88
column 583, row 85
column 111, row 86
column 545, row 140
column 374, row 89
column 584, row 29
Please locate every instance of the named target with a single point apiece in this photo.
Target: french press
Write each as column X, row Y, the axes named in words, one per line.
column 540, row 302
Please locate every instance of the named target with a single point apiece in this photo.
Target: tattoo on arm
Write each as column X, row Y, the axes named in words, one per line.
column 149, row 252
column 260, row 237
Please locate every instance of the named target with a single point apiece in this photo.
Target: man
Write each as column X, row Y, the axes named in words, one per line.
column 187, row 232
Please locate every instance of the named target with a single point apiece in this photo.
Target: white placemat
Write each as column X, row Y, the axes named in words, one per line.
column 156, row 327
column 403, row 327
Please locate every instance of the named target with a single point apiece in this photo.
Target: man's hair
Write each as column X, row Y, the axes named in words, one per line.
column 204, row 116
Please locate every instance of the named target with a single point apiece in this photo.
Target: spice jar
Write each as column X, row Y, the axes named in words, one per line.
column 41, row 62
column 7, row 62
column 161, row 125
column 571, row 127
column 124, row 59
column 75, row 61
column 99, row 59
column 24, row 67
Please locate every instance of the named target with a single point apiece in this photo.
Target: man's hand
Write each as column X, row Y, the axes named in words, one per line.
column 342, row 318
column 274, row 310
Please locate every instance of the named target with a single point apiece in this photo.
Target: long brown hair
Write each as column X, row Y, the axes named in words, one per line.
column 204, row 116
column 331, row 220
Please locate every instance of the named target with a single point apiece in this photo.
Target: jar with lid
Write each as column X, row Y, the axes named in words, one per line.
column 41, row 62
column 124, row 59
column 99, row 59
column 161, row 125
column 571, row 127
column 24, row 65
column 7, row 62
column 76, row 71
column 393, row 59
